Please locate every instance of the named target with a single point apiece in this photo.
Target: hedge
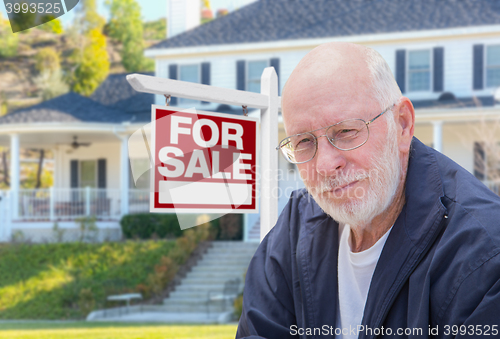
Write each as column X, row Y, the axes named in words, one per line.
column 150, row 226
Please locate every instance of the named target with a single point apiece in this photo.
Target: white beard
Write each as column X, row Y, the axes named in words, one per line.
column 362, row 207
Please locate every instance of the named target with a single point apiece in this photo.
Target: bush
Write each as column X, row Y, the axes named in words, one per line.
column 229, row 227
column 147, row 226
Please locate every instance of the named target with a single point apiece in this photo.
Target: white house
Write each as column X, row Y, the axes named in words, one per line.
column 89, row 139
column 445, row 55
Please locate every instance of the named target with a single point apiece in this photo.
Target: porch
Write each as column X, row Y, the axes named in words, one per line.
column 68, row 204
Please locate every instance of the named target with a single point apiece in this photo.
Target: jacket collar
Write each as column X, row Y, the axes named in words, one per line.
column 412, row 235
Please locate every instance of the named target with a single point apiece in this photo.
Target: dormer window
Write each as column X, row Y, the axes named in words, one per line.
column 493, row 66
column 419, row 70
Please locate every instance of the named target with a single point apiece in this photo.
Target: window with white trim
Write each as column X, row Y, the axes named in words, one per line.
column 254, row 72
column 493, row 66
column 189, row 73
column 419, row 70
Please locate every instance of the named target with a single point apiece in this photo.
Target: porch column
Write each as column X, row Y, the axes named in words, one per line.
column 124, row 175
column 14, row 174
column 438, row 135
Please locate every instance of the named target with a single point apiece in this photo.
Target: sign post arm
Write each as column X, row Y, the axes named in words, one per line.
column 269, row 156
column 190, row 90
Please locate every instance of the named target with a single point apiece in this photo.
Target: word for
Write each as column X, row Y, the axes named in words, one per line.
column 198, row 163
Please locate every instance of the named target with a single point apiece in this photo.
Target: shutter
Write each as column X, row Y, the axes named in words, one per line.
column 101, row 173
column 73, row 165
column 401, row 69
column 240, row 75
column 479, row 161
column 275, row 62
column 477, row 82
column 172, row 74
column 205, row 76
column 438, row 69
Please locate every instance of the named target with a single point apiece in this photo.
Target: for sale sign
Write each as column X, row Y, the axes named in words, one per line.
column 204, row 162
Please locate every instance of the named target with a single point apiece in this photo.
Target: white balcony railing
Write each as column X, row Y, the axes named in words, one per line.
column 72, row 203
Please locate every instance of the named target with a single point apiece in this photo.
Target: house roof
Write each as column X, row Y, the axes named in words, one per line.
column 273, row 20
column 70, row 107
column 114, row 101
column 116, row 92
column 448, row 100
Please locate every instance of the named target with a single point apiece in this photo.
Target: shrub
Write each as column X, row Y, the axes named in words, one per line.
column 145, row 225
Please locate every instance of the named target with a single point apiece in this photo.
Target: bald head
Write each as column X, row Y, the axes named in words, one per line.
column 341, row 70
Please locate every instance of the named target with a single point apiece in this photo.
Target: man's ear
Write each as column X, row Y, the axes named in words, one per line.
column 405, row 123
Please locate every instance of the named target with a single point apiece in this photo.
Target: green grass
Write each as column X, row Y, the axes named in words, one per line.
column 84, row 330
column 67, row 280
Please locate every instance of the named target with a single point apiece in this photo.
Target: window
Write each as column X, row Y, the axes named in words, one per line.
column 419, row 70
column 254, row 72
column 493, row 66
column 190, row 73
column 141, row 168
column 88, row 173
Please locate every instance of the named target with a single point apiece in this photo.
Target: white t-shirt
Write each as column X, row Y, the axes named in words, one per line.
column 355, row 271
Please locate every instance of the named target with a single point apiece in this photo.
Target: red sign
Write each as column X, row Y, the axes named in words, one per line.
column 204, row 162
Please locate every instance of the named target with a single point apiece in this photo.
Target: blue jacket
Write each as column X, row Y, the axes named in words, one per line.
column 439, row 267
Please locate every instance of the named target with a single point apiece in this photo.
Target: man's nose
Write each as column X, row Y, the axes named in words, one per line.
column 329, row 159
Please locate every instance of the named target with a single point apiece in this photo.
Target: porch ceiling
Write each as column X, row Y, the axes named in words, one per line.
column 52, row 138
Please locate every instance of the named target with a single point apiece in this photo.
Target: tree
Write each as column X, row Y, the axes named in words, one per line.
column 47, row 59
column 8, row 40
column 125, row 26
column 90, row 59
column 54, row 26
column 51, row 84
column 155, row 30
column 93, row 64
column 87, row 16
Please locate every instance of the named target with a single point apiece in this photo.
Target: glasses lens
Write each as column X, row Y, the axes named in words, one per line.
column 299, row 148
column 348, row 134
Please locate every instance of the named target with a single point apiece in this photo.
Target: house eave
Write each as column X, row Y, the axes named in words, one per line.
column 435, row 34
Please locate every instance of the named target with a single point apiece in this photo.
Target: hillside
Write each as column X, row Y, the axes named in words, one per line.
column 18, row 73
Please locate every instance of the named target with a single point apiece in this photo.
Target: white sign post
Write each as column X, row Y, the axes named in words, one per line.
column 267, row 101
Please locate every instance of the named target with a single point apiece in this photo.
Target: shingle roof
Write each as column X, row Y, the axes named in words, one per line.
column 273, row 20
column 70, row 107
column 116, row 92
column 455, row 103
column 114, row 101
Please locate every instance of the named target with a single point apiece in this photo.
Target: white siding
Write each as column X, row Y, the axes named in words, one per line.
column 108, row 151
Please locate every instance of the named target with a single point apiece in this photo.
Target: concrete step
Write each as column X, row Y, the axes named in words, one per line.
column 198, row 288
column 198, row 308
column 217, row 275
column 219, row 268
column 209, row 281
column 227, row 256
column 194, row 294
column 223, row 261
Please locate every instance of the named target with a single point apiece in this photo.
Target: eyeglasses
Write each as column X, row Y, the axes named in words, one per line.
column 345, row 136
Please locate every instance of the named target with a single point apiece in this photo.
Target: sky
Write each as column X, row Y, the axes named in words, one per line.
column 150, row 9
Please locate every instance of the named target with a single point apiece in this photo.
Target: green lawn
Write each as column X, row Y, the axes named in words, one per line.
column 85, row 330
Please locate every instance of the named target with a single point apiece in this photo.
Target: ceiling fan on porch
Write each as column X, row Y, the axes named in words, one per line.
column 75, row 144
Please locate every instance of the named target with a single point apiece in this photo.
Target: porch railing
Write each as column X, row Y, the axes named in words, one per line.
column 493, row 185
column 72, row 203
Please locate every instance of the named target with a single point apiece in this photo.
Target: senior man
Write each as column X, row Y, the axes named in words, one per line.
column 391, row 238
